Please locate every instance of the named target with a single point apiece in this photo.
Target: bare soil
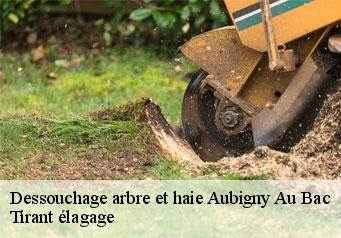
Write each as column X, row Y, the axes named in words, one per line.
column 96, row 164
column 117, row 167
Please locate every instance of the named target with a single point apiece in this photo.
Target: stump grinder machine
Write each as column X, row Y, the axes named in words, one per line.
column 259, row 76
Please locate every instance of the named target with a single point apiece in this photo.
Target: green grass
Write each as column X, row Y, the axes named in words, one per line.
column 92, row 137
column 76, row 130
column 108, row 79
column 74, row 139
column 211, row 169
column 167, row 169
column 59, row 139
column 42, row 118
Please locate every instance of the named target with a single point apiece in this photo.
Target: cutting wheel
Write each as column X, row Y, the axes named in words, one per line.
column 205, row 123
column 216, row 128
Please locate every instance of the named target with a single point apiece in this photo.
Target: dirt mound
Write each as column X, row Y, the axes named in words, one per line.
column 316, row 156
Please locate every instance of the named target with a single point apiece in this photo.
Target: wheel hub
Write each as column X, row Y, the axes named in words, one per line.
column 212, row 124
column 230, row 119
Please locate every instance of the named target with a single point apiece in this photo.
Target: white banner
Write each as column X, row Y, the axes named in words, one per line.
column 170, row 208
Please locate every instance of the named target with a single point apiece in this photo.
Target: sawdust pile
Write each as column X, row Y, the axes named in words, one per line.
column 316, row 156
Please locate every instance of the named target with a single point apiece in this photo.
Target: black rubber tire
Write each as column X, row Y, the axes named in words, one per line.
column 198, row 124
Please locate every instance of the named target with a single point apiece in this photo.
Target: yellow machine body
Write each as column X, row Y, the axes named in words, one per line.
column 235, row 55
column 292, row 19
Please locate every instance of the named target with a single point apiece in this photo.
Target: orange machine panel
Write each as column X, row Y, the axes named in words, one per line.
column 292, row 19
